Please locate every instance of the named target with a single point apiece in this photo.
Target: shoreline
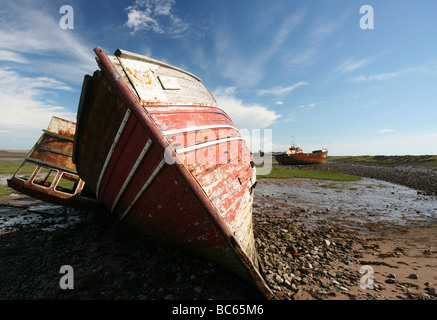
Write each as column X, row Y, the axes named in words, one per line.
column 301, row 263
column 418, row 177
column 322, row 259
column 13, row 154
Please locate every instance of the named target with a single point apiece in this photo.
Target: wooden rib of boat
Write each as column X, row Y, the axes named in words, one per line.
column 158, row 152
column 295, row 155
column 48, row 172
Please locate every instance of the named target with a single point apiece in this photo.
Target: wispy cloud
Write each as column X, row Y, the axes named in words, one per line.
column 22, row 102
column 155, row 15
column 321, row 29
column 11, row 81
column 35, row 32
column 307, row 106
column 351, row 65
column 377, row 77
column 371, row 104
column 291, row 117
column 282, row 90
column 429, row 67
column 385, row 130
column 6, row 55
column 247, row 68
column 303, row 57
column 39, row 61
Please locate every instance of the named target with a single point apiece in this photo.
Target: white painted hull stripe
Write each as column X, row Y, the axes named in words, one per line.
column 132, row 172
column 207, row 144
column 111, row 151
column 175, row 131
column 155, row 172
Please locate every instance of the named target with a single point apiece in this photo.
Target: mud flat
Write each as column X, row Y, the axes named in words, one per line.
column 320, row 240
column 418, row 177
column 109, row 261
column 317, row 240
column 13, row 154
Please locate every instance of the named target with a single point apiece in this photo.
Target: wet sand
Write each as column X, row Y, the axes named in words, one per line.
column 313, row 238
column 318, row 239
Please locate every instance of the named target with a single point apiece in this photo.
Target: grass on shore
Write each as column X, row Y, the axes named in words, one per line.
column 10, row 166
column 283, row 173
column 5, row 190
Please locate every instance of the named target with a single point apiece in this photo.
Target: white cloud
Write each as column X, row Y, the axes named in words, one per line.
column 279, row 102
column 34, row 32
column 21, row 103
column 429, row 67
column 377, row 77
column 245, row 116
column 324, row 27
column 46, row 61
column 282, row 90
column 385, row 130
column 307, row 107
column 230, row 90
column 303, row 57
column 142, row 20
column 6, row 55
column 155, row 15
column 352, row 65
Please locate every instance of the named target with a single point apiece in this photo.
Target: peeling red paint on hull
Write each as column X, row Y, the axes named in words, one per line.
column 161, row 155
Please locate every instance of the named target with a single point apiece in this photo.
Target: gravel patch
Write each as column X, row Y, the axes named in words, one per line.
column 112, row 262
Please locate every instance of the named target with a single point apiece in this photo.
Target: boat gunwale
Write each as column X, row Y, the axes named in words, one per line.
column 119, row 53
column 156, row 135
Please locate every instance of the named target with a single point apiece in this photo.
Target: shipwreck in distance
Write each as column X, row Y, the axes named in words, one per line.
column 295, row 155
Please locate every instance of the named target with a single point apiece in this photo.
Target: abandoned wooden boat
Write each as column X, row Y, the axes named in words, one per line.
column 158, row 152
column 48, row 172
column 295, row 155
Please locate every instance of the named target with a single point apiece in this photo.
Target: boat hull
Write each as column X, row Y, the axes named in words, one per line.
column 48, row 172
column 316, row 157
column 177, row 172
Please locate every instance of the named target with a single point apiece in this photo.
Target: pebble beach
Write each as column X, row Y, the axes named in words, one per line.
column 309, row 251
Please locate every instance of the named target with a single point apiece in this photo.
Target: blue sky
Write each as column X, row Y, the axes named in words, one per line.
column 304, row 69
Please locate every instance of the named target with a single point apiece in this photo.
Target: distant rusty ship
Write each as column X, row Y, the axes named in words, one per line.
column 295, row 155
column 160, row 154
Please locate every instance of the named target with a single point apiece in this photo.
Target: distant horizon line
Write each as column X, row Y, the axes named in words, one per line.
column 332, row 155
